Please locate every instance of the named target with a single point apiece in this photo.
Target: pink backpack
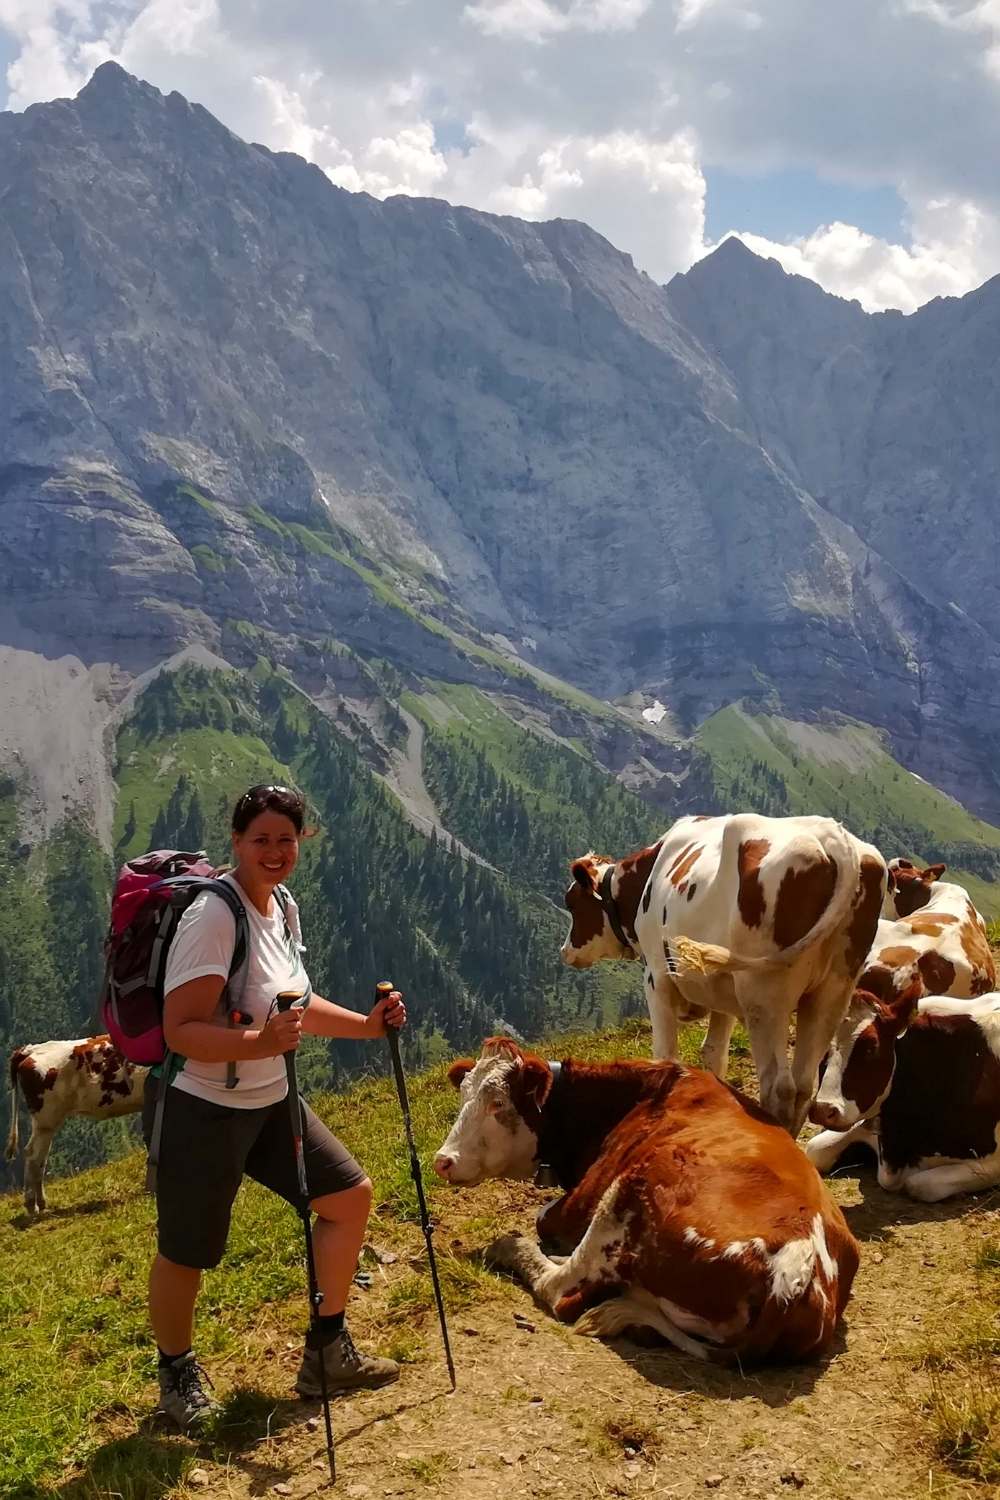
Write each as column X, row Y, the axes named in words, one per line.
column 151, row 895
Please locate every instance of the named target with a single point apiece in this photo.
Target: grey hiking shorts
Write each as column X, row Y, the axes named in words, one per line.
column 206, row 1150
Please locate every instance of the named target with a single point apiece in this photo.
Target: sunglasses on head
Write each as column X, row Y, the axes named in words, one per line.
column 263, row 790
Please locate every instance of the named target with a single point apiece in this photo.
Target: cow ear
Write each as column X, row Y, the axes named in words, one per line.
column 902, row 1007
column 891, row 883
column 932, row 873
column 536, row 1080
column 458, row 1070
column 583, row 873
column 876, row 981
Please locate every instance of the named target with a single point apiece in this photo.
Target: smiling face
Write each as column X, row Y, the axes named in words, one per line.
column 267, row 851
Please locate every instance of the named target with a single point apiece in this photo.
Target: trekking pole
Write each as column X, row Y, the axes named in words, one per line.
column 392, row 1037
column 284, row 1002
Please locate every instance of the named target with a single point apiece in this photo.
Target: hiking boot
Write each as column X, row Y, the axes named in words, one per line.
column 347, row 1368
column 182, row 1396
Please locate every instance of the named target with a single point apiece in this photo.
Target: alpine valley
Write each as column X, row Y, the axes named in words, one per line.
column 499, row 549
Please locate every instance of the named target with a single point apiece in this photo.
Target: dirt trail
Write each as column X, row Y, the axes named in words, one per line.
column 540, row 1411
column 406, row 779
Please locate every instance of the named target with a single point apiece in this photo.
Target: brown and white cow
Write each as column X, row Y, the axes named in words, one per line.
column 933, row 931
column 85, row 1077
column 686, row 1209
column 919, row 1082
column 748, row 917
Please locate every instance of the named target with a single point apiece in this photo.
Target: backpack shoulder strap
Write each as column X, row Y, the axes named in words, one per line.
column 225, row 892
column 240, row 959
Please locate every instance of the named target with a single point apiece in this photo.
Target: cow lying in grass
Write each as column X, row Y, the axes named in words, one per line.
column 919, row 1082
column 687, row 1210
column 56, row 1079
column 933, row 930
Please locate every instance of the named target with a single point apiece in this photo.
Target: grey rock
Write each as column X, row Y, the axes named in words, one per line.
column 736, row 486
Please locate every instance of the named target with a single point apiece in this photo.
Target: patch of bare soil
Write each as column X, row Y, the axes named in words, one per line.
column 541, row 1411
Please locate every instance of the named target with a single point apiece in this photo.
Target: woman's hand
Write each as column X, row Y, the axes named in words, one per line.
column 281, row 1033
column 386, row 1014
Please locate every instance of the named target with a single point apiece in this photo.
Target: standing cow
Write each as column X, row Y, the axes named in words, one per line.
column 85, row 1077
column 686, row 1209
column 748, row 917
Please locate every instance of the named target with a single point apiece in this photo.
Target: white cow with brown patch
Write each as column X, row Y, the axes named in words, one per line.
column 751, row 918
column 932, row 931
column 84, row 1077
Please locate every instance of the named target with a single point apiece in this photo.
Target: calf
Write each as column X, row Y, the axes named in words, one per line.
column 85, row 1077
column 783, row 911
column 934, row 931
column 686, row 1209
column 919, row 1082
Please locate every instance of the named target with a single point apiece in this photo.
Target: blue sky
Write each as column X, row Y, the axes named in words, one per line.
column 786, row 205
column 855, row 142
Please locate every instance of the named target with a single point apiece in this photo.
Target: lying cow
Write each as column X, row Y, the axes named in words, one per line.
column 687, row 1210
column 85, row 1077
column 934, row 931
column 919, row 1082
column 793, row 902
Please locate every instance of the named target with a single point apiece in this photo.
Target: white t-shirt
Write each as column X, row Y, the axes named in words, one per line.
column 203, row 944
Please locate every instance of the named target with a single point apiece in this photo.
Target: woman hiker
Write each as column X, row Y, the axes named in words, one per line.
column 213, row 1135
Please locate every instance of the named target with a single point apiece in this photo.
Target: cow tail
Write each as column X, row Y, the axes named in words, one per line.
column 12, row 1140
column 690, row 957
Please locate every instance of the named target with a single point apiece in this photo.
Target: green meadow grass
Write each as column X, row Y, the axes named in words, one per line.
column 77, row 1362
column 964, row 1367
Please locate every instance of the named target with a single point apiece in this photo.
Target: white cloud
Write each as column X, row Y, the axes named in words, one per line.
column 955, row 246
column 604, row 110
column 537, row 20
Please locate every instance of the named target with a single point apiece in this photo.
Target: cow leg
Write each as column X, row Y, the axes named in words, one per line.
column 36, row 1154
column 825, row 1149
column 933, row 1184
column 715, row 1047
column 567, row 1287
column 766, row 1008
column 819, row 1014
column 664, row 1000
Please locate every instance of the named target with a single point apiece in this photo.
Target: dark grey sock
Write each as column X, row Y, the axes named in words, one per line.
column 170, row 1359
column 327, row 1329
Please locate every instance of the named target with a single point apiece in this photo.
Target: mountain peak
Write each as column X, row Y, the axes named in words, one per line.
column 732, row 250
column 112, row 85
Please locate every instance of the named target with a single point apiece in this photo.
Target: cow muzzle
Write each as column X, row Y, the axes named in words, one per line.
column 833, row 1116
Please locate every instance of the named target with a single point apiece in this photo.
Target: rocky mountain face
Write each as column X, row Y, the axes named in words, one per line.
column 240, row 405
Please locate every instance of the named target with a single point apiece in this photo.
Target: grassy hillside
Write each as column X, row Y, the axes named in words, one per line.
column 76, row 1361
column 530, row 803
column 77, row 1367
column 841, row 768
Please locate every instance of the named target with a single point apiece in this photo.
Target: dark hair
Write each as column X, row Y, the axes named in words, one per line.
column 267, row 798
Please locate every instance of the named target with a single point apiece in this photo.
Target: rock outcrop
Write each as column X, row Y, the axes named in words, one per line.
column 237, row 403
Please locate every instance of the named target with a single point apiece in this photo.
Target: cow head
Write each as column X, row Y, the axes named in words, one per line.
column 908, row 888
column 591, row 936
column 862, row 1058
column 496, row 1133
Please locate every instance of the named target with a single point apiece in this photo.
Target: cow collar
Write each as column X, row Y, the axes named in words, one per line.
column 545, row 1176
column 608, row 902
